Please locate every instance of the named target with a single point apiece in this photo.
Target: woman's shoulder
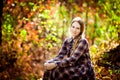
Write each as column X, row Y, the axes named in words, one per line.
column 68, row 39
column 83, row 40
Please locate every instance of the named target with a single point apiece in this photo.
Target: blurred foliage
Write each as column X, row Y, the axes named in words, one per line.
column 33, row 31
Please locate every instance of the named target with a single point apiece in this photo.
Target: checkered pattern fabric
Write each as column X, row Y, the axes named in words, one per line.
column 73, row 67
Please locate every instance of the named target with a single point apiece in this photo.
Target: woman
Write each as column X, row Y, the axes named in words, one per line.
column 73, row 61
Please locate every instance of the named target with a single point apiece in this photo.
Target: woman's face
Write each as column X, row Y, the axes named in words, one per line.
column 75, row 29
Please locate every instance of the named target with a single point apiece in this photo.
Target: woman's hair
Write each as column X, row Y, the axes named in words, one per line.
column 81, row 35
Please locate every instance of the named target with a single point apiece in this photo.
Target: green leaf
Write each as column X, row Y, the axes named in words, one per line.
column 23, row 34
column 22, row 4
column 31, row 3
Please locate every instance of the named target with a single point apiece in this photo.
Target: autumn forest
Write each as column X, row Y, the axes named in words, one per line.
column 32, row 31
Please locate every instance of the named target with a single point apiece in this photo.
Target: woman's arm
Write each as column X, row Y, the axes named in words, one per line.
column 61, row 53
column 76, row 55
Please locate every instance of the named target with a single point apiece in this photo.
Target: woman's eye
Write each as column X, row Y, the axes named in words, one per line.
column 73, row 26
column 78, row 28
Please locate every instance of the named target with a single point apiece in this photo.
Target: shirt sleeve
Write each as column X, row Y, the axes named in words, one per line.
column 61, row 53
column 76, row 55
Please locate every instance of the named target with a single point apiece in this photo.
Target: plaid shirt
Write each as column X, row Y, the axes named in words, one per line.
column 76, row 65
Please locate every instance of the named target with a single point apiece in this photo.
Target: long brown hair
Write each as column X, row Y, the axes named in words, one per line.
column 77, row 38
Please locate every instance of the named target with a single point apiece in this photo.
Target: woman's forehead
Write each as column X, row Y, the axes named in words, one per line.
column 76, row 24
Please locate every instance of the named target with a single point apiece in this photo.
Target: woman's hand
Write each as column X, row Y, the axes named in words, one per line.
column 49, row 61
column 50, row 66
